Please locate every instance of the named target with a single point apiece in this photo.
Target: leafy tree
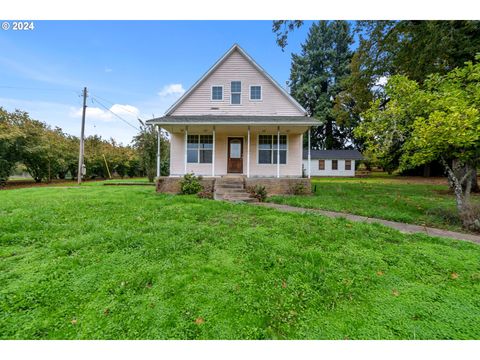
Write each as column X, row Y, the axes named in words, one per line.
column 10, row 138
column 412, row 48
column 146, row 145
column 438, row 120
column 316, row 78
column 417, row 48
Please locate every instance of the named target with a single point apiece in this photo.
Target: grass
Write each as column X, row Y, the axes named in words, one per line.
column 112, row 262
column 385, row 198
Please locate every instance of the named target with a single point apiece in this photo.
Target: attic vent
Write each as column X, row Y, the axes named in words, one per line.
column 214, row 108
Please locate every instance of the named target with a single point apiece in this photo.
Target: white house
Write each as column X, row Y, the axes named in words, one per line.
column 236, row 119
column 331, row 162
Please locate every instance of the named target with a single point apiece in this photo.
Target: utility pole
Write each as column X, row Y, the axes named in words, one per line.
column 159, row 136
column 82, row 135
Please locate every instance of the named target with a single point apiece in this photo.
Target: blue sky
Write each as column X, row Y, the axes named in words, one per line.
column 132, row 67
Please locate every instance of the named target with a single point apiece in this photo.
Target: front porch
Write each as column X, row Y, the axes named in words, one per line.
column 251, row 151
column 253, row 146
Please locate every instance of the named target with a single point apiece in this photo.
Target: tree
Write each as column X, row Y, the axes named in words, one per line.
column 10, row 137
column 146, row 145
column 316, row 77
column 436, row 120
column 417, row 48
column 282, row 27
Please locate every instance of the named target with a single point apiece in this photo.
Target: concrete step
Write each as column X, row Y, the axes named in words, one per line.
column 232, row 189
column 229, row 191
column 229, row 186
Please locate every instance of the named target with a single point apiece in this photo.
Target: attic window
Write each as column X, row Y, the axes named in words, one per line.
column 217, row 93
column 255, row 92
column 236, row 92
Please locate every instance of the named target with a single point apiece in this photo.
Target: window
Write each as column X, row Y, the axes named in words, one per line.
column 217, row 92
column 236, row 92
column 199, row 149
column 334, row 164
column 348, row 164
column 321, row 164
column 255, row 92
column 267, row 149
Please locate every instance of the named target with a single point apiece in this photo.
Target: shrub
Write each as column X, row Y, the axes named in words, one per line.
column 258, row 192
column 297, row 188
column 190, row 184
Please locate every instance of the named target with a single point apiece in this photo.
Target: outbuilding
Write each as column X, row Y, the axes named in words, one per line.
column 331, row 162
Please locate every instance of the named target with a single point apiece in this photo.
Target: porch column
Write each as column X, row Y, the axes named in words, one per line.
column 186, row 147
column 248, row 152
column 301, row 152
column 159, row 130
column 278, row 151
column 213, row 153
column 309, row 155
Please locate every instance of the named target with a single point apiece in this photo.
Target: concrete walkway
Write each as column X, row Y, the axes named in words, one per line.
column 402, row 227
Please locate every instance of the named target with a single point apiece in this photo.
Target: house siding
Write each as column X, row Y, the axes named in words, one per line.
column 328, row 168
column 237, row 68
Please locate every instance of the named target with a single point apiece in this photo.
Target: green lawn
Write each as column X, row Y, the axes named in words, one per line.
column 114, row 262
column 384, row 198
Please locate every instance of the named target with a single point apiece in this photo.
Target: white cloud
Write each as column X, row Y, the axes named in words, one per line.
column 128, row 112
column 108, row 70
column 172, row 89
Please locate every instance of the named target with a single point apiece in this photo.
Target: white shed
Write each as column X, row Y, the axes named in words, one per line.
column 331, row 162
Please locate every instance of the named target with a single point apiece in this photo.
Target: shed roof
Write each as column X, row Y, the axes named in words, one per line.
column 333, row 154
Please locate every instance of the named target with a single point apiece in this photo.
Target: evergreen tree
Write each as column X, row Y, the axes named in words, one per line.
column 317, row 76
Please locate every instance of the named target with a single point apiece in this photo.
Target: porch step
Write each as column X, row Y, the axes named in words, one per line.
column 229, row 186
column 232, row 189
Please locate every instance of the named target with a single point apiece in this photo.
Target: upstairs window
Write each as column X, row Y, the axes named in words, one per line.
column 199, row 149
column 255, row 92
column 236, row 92
column 267, row 149
column 217, row 93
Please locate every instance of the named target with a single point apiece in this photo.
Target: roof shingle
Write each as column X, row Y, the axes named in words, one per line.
column 333, row 154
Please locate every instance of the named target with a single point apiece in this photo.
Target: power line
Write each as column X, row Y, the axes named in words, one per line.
column 94, row 98
column 111, row 102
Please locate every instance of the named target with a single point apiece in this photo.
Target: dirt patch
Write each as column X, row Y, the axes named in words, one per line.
column 20, row 184
column 421, row 180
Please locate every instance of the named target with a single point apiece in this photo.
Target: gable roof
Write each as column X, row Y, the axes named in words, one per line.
column 215, row 66
column 333, row 154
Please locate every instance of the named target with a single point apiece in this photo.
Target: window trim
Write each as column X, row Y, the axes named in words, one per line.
column 345, row 165
column 199, row 149
column 250, row 93
column 211, row 93
column 323, row 160
column 231, row 92
column 331, row 165
column 272, row 163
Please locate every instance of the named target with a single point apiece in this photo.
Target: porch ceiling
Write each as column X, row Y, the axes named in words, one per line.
column 204, row 123
column 235, row 129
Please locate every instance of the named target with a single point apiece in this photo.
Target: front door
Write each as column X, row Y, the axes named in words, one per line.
column 235, row 155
